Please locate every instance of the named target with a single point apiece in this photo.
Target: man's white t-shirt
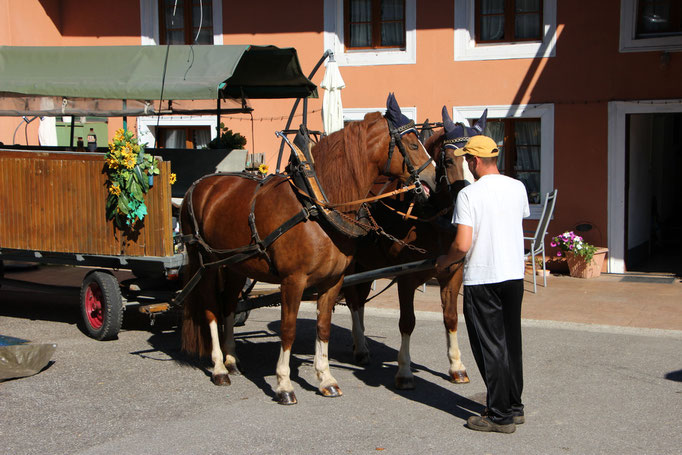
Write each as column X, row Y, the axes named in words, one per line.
column 494, row 206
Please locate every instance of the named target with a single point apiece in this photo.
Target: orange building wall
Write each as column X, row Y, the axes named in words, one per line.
column 587, row 72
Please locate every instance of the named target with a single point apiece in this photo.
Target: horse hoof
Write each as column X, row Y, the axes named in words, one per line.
column 404, row 383
column 286, row 398
column 221, row 379
column 233, row 369
column 361, row 359
column 459, row 377
column 332, row 391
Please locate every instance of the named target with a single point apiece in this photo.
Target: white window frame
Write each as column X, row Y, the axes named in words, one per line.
column 149, row 22
column 545, row 112
column 465, row 36
column 146, row 126
column 334, row 39
column 628, row 28
column 354, row 114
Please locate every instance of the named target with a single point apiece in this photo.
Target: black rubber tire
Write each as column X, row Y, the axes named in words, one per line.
column 105, row 321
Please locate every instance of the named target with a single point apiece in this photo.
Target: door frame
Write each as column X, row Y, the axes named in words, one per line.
column 617, row 156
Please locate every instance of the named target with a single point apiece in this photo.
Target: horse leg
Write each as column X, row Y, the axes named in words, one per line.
column 208, row 287
column 404, row 379
column 355, row 298
column 450, row 285
column 233, row 286
column 292, row 291
column 325, row 304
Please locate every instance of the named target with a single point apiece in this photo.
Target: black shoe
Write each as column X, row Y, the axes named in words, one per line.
column 518, row 419
column 483, row 423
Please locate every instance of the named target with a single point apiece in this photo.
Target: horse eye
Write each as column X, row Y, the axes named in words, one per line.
column 414, row 146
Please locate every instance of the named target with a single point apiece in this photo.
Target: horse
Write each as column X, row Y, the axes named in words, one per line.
column 432, row 231
column 226, row 212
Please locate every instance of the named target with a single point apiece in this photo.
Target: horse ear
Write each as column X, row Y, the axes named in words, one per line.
column 480, row 123
column 391, row 102
column 447, row 121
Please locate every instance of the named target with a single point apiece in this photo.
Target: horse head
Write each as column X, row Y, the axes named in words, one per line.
column 450, row 168
column 412, row 163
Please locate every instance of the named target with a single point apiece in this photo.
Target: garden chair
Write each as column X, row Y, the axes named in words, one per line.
column 537, row 242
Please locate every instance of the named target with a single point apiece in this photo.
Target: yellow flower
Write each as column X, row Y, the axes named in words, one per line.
column 115, row 189
column 263, row 169
column 130, row 162
column 172, row 178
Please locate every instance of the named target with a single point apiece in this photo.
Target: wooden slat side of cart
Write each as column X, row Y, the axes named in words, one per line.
column 55, row 202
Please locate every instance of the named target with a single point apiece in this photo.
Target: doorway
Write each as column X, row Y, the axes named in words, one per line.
column 653, row 189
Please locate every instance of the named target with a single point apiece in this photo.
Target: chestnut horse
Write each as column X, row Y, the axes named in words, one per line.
column 431, row 231
column 225, row 207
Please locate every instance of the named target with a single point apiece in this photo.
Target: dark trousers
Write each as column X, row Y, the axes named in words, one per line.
column 493, row 319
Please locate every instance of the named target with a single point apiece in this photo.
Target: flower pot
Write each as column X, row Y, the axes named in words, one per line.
column 579, row 268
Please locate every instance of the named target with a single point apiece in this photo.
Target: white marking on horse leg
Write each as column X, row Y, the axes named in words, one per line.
column 229, row 346
column 360, row 349
column 404, row 360
column 283, row 372
column 216, row 353
column 321, row 364
column 454, row 356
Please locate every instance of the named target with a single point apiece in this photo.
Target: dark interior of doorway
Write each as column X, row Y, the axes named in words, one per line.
column 662, row 253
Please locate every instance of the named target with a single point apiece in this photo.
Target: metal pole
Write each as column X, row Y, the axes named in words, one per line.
column 73, row 125
column 326, row 54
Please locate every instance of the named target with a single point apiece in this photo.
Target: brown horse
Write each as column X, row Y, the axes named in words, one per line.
column 309, row 254
column 432, row 232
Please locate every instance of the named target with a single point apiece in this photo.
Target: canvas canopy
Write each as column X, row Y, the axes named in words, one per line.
column 131, row 80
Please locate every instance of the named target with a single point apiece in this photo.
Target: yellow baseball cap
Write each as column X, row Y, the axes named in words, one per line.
column 479, row 145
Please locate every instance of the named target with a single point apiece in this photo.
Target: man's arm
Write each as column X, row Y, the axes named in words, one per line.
column 458, row 249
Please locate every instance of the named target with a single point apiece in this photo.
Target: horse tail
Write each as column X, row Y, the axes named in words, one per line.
column 195, row 335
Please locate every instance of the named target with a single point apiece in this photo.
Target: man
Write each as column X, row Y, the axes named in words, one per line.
column 489, row 216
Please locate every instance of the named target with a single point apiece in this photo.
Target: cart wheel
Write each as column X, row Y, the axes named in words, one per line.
column 101, row 305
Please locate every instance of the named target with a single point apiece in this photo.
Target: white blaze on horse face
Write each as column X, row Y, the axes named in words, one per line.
column 216, row 353
column 283, row 381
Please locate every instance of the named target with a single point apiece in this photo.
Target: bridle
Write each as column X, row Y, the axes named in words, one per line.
column 450, row 144
column 396, row 135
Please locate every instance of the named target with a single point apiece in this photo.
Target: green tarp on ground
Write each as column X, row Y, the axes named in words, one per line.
column 54, row 79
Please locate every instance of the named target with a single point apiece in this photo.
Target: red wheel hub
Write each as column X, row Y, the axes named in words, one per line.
column 93, row 305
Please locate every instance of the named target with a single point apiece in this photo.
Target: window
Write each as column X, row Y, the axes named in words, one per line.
column 373, row 24
column 526, row 135
column 157, row 22
column 519, row 143
column 508, row 20
column 371, row 32
column 185, row 22
column 659, row 18
column 504, row 29
column 184, row 137
column 650, row 25
column 177, row 131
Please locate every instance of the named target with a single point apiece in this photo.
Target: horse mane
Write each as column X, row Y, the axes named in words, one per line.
column 341, row 160
column 432, row 144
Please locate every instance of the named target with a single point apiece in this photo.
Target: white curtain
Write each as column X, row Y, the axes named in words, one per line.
column 527, row 20
column 202, row 138
column 175, row 139
column 528, row 157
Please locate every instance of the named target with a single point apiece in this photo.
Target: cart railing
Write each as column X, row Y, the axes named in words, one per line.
column 55, row 202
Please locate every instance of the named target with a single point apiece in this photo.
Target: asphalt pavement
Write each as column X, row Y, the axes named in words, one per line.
column 589, row 389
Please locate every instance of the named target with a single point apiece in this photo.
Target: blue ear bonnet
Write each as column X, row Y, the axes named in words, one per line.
column 394, row 114
column 456, row 134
